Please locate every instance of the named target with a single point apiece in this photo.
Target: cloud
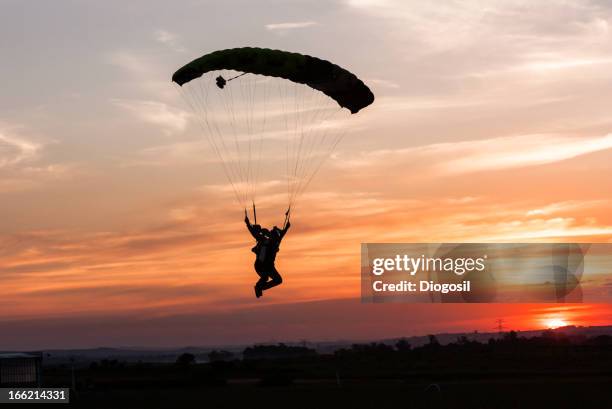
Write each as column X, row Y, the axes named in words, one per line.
column 169, row 39
column 146, row 75
column 489, row 154
column 382, row 83
column 290, row 25
column 129, row 62
column 172, row 120
column 558, row 207
column 189, row 152
column 473, row 36
column 23, row 165
column 516, row 151
column 14, row 149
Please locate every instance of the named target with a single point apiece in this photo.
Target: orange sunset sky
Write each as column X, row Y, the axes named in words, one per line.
column 491, row 124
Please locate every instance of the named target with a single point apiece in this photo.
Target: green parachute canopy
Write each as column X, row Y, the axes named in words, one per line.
column 334, row 81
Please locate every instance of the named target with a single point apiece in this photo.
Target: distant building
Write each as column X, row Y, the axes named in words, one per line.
column 20, row 369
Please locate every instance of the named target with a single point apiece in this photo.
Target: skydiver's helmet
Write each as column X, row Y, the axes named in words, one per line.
column 265, row 233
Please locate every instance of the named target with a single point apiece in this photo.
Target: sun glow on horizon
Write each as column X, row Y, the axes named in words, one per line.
column 556, row 322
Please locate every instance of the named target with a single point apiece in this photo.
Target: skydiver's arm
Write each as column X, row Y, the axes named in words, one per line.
column 249, row 225
column 287, row 224
column 284, row 231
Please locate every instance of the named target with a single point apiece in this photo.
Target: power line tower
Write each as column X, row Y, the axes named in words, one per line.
column 500, row 325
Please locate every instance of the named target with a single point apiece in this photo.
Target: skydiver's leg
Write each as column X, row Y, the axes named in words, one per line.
column 262, row 280
column 263, row 277
column 275, row 279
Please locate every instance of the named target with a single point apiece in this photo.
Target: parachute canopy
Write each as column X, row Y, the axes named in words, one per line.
column 335, row 82
column 271, row 117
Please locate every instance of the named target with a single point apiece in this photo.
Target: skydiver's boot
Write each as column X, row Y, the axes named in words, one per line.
column 258, row 291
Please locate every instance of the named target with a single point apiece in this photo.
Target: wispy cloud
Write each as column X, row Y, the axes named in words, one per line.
column 129, row 62
column 490, row 154
column 517, row 151
column 290, row 25
column 147, row 75
column 15, row 149
column 383, row 83
column 558, row 207
column 169, row 39
column 24, row 164
column 171, row 120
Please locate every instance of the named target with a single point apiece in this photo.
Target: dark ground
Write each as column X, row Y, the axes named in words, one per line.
column 551, row 371
column 502, row 394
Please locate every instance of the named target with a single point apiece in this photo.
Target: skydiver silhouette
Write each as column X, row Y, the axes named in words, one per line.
column 267, row 246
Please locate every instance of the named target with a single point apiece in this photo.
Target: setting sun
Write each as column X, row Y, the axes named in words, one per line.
column 555, row 323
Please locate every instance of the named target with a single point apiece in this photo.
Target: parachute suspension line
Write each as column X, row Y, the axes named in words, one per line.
column 219, row 133
column 247, row 131
column 256, row 102
column 261, row 134
column 202, row 115
column 336, row 140
column 316, row 146
column 214, row 131
column 308, row 157
column 307, row 109
column 246, row 95
column 305, row 158
column 186, row 94
column 299, row 104
column 296, row 133
column 236, row 131
column 227, row 99
column 282, row 98
column 252, row 104
column 318, row 167
column 297, row 118
column 291, row 137
column 251, row 95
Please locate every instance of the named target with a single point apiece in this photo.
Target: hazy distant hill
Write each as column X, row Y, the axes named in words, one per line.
column 447, row 338
column 82, row 357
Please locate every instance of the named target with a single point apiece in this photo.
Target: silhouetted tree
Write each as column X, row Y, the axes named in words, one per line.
column 186, row 359
column 403, row 345
column 463, row 340
column 511, row 337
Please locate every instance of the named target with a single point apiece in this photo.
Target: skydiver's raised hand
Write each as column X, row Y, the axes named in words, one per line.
column 246, row 217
